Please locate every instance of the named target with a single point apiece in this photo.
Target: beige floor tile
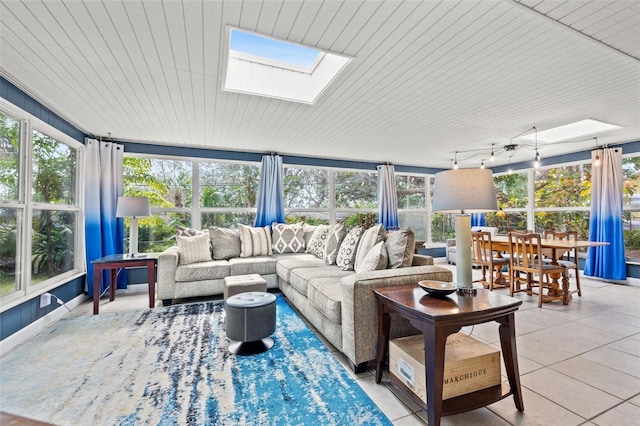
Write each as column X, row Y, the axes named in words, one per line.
column 537, row 411
column 573, row 338
column 615, row 359
column 623, row 415
column 605, row 322
column 635, row 400
column 391, row 406
column 540, row 352
column 411, row 420
column 479, row 417
column 630, row 346
column 599, row 376
column 570, row 393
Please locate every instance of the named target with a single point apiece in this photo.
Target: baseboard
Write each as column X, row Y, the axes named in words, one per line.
column 26, row 333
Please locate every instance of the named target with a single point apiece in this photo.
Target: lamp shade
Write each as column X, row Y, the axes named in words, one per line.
column 133, row 207
column 464, row 191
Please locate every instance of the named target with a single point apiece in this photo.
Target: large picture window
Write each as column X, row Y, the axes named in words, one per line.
column 307, row 195
column 40, row 223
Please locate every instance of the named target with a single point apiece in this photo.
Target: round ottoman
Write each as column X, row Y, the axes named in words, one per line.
column 251, row 319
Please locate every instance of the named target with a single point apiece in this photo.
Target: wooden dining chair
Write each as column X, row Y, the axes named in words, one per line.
column 488, row 260
column 568, row 259
column 526, row 267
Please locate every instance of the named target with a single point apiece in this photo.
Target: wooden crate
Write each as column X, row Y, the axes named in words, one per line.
column 469, row 364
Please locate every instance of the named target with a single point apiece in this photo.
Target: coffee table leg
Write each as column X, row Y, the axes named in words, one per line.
column 97, row 274
column 384, row 325
column 151, row 273
column 507, row 332
column 434, row 346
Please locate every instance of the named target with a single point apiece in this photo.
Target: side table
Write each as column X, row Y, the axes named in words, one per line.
column 437, row 318
column 114, row 262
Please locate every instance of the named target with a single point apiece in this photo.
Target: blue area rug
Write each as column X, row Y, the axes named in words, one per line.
column 170, row 366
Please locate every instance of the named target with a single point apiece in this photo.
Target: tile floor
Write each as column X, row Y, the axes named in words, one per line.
column 579, row 363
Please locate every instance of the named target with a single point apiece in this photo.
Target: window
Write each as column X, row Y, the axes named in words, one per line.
column 513, row 200
column 412, row 208
column 40, row 223
column 306, row 195
column 356, row 197
column 631, row 213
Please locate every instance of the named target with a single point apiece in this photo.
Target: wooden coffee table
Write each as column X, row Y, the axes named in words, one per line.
column 437, row 318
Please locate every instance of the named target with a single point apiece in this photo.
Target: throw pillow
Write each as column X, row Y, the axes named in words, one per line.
column 347, row 252
column 254, row 241
column 193, row 249
column 400, row 247
column 225, row 243
column 287, row 238
column 370, row 238
column 375, row 259
column 319, row 240
column 185, row 231
column 334, row 239
column 308, row 233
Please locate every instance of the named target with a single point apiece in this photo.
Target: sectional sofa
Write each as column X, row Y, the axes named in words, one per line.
column 325, row 272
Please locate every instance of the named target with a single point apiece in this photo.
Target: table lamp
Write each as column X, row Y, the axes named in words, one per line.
column 133, row 207
column 464, row 191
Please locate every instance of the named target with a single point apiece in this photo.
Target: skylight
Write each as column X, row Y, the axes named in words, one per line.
column 570, row 131
column 265, row 66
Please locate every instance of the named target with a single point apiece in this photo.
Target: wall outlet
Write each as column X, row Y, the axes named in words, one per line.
column 45, row 300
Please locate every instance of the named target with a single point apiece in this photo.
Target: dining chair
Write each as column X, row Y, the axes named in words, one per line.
column 489, row 260
column 526, row 267
column 568, row 259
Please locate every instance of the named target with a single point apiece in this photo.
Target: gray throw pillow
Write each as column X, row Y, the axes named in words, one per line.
column 254, row 241
column 225, row 243
column 193, row 249
column 287, row 238
column 334, row 240
column 375, row 259
column 370, row 238
column 347, row 253
column 185, row 231
column 318, row 240
column 308, row 233
column 400, row 247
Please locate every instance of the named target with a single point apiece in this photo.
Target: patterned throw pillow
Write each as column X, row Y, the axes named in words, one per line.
column 400, row 247
column 184, row 231
column 319, row 240
column 193, row 249
column 370, row 238
column 374, row 260
column 334, row 239
column 287, row 238
column 254, row 241
column 347, row 252
column 225, row 243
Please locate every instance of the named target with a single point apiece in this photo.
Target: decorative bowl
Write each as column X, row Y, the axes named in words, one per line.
column 437, row 288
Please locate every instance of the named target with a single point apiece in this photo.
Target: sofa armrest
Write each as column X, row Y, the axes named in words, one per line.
column 360, row 309
column 167, row 265
column 422, row 260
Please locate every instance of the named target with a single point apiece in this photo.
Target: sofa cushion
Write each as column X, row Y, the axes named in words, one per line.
column 326, row 294
column 225, row 243
column 193, row 249
column 347, row 253
column 254, row 241
column 375, row 260
column 400, row 247
column 370, row 238
column 289, row 262
column 213, row 269
column 300, row 277
column 287, row 238
column 319, row 240
column 262, row 265
column 334, row 239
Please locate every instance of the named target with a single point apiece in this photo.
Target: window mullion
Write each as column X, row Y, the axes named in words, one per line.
column 27, row 223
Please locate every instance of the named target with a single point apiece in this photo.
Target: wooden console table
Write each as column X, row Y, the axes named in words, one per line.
column 114, row 262
column 437, row 318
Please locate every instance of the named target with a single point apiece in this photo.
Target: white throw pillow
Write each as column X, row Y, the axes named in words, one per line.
column 319, row 240
column 254, row 241
column 370, row 238
column 193, row 249
column 375, row 259
column 400, row 247
column 287, row 238
column 334, row 239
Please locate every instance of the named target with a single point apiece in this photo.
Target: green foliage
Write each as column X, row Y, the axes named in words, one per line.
column 632, row 238
column 365, row 220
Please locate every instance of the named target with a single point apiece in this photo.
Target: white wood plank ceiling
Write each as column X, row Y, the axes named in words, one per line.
column 428, row 77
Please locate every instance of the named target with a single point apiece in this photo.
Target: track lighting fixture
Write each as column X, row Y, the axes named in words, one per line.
column 596, row 161
column 455, row 162
column 493, row 157
column 536, row 162
column 482, row 164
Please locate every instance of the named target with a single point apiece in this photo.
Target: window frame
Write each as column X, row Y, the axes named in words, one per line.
column 26, row 289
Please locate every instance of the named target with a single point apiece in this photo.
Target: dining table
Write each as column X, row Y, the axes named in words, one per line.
column 555, row 249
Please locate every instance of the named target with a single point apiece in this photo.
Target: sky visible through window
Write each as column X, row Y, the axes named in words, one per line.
column 269, row 48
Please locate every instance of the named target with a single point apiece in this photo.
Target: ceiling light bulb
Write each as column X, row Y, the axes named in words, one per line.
column 493, row 157
column 596, row 162
column 455, row 165
column 510, row 171
column 482, row 164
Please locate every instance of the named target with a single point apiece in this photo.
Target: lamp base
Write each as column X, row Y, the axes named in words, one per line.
column 467, row 291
